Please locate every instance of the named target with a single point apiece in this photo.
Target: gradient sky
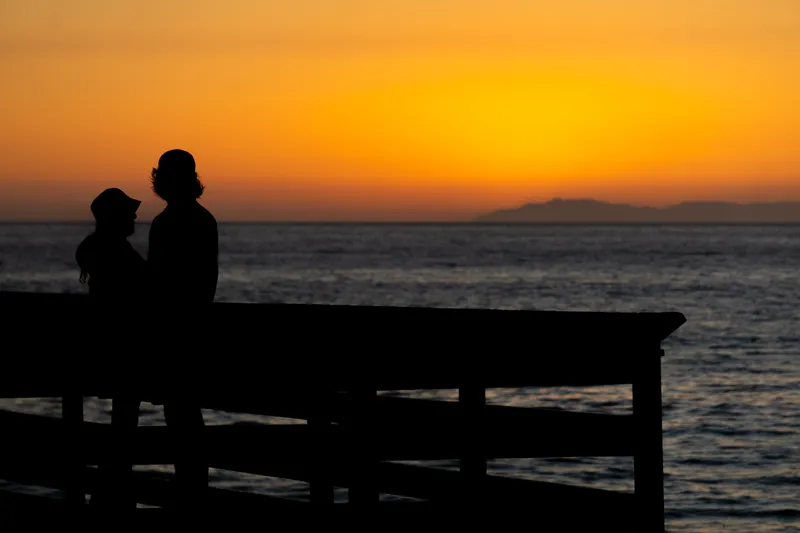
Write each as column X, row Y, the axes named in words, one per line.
column 398, row 109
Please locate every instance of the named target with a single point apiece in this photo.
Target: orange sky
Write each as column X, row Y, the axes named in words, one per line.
column 398, row 109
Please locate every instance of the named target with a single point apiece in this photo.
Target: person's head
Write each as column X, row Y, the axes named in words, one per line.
column 176, row 179
column 115, row 213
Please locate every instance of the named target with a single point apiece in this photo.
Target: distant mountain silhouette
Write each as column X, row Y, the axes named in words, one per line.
column 588, row 211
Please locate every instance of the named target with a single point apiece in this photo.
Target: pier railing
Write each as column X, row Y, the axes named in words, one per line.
column 330, row 366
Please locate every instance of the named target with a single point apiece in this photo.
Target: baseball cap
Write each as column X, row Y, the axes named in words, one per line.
column 114, row 201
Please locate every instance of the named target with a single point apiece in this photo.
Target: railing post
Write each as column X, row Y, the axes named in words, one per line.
column 472, row 401
column 321, row 488
column 72, row 419
column 363, row 488
column 649, row 452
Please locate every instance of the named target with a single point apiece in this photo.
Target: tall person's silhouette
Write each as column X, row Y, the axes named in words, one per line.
column 183, row 238
column 183, row 260
column 116, row 275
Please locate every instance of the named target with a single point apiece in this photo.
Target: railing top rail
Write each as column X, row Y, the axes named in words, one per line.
column 649, row 327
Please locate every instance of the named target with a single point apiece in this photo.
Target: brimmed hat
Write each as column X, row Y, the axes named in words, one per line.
column 114, row 201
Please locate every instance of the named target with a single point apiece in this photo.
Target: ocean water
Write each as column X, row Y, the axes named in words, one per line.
column 731, row 375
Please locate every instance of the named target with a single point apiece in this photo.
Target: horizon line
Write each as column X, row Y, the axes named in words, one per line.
column 443, row 223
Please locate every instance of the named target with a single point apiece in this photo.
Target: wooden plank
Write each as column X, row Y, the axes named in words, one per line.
column 363, row 453
column 399, row 410
column 29, row 505
column 507, row 495
column 649, row 453
column 445, row 354
column 577, row 349
column 447, row 486
column 472, row 404
column 45, row 377
column 442, row 489
column 149, row 488
column 561, row 326
column 499, row 440
column 70, row 439
column 568, row 435
column 319, row 420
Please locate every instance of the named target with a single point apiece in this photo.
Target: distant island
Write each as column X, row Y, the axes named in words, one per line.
column 594, row 211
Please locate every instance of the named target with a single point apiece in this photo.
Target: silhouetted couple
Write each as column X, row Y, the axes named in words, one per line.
column 178, row 278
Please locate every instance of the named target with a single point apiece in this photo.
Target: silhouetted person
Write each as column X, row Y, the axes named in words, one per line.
column 114, row 271
column 183, row 238
column 116, row 275
column 182, row 257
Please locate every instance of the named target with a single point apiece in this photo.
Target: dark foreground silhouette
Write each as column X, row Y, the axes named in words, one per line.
column 114, row 271
column 357, row 438
column 178, row 279
column 117, row 278
column 183, row 238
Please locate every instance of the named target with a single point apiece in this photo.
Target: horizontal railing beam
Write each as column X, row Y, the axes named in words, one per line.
column 57, row 377
column 250, row 443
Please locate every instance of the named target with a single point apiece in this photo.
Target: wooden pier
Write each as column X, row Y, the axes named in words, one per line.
column 329, row 366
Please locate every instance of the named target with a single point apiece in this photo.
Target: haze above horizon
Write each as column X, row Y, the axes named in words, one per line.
column 441, row 110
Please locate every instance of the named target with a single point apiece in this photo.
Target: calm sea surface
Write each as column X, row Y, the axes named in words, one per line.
column 731, row 376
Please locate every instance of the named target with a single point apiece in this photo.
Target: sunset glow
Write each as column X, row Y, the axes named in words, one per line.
column 398, row 110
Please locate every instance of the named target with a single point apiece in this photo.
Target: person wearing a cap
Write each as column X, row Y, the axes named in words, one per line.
column 113, row 270
column 183, row 262
column 117, row 278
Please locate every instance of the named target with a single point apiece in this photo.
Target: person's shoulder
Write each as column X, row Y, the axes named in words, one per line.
column 87, row 241
column 206, row 216
column 156, row 224
column 204, row 212
column 158, row 219
column 85, row 247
